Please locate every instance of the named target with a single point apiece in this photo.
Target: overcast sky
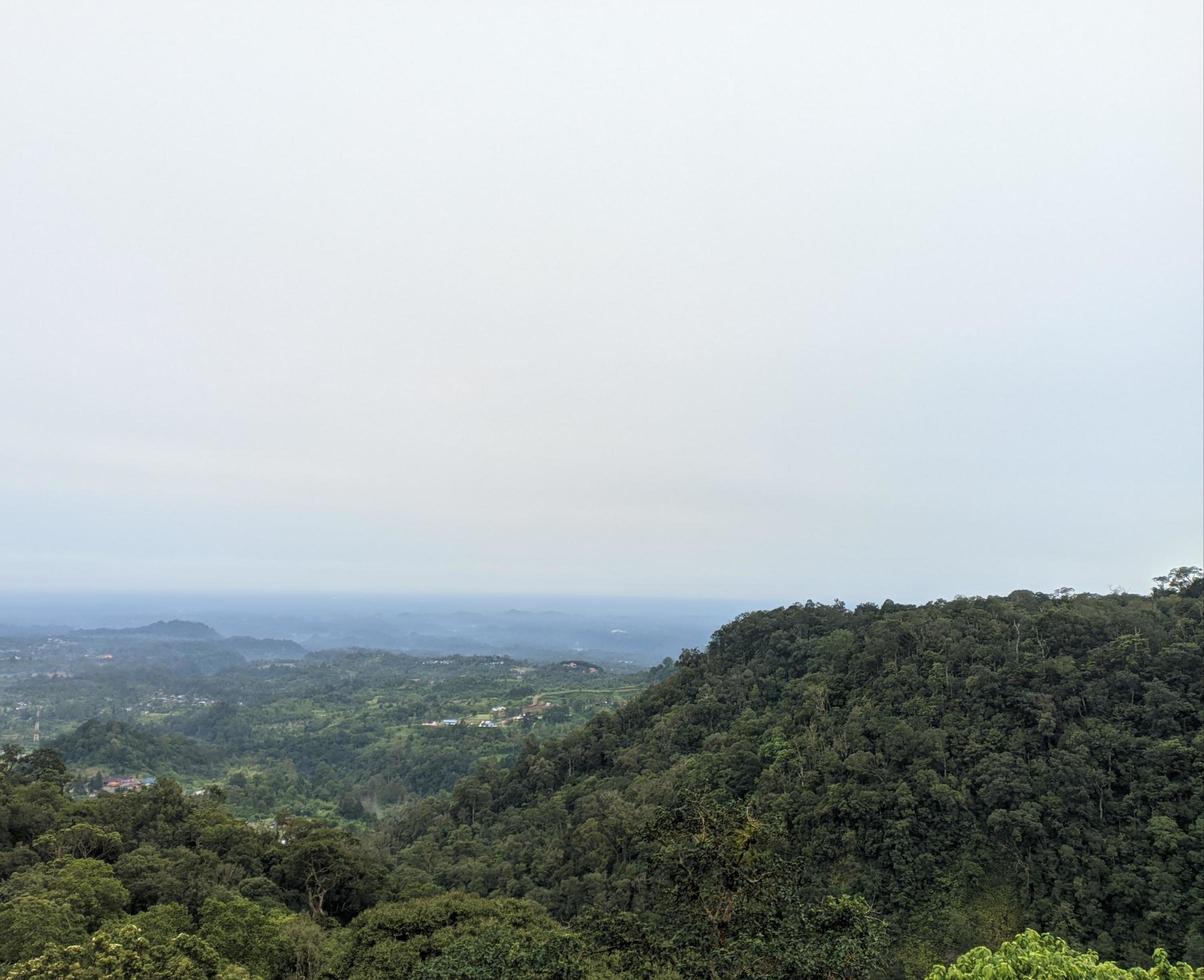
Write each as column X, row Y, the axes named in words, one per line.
column 725, row 299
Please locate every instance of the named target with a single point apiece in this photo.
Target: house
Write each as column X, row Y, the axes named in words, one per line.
column 124, row 784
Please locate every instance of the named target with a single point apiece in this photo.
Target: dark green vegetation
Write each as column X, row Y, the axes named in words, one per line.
column 968, row 767
column 157, row 884
column 823, row 792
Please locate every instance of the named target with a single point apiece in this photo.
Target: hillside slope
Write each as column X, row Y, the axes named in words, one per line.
column 970, row 767
column 122, row 748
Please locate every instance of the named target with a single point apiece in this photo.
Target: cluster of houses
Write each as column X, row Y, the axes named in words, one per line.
column 123, row 784
column 160, row 700
column 498, row 716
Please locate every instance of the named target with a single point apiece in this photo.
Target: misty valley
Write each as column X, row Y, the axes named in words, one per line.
column 342, row 734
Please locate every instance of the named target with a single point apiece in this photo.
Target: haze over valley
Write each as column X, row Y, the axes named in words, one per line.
column 643, row 631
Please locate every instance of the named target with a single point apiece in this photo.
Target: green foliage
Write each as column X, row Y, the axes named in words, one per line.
column 337, row 876
column 728, row 901
column 120, row 747
column 243, row 932
column 161, row 923
column 79, row 840
column 29, row 923
column 1032, row 956
column 85, row 885
column 461, row 936
column 125, row 954
column 38, row 766
column 724, row 900
column 308, row 946
column 965, row 766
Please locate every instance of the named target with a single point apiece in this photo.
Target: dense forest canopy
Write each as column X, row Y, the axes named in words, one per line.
column 969, row 767
column 971, row 788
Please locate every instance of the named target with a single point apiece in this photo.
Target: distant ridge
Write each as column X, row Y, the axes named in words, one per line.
column 182, row 629
column 191, row 639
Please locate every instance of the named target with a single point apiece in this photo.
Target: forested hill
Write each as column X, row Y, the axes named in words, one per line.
column 970, row 767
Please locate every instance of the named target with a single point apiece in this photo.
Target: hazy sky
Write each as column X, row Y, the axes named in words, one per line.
column 746, row 299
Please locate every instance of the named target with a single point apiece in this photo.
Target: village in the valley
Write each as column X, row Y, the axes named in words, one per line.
column 497, row 717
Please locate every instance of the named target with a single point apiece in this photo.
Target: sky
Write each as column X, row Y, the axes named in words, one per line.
column 774, row 300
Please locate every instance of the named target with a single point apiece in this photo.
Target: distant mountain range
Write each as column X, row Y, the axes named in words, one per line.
column 180, row 629
column 182, row 645
column 642, row 631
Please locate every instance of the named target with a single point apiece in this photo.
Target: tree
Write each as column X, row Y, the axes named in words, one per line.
column 41, row 766
column 85, row 885
column 737, row 910
column 461, row 936
column 161, row 923
column 243, row 932
column 1035, row 956
column 127, row 954
column 79, row 840
column 29, row 923
column 1184, row 580
column 305, row 941
column 470, row 797
column 335, row 874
